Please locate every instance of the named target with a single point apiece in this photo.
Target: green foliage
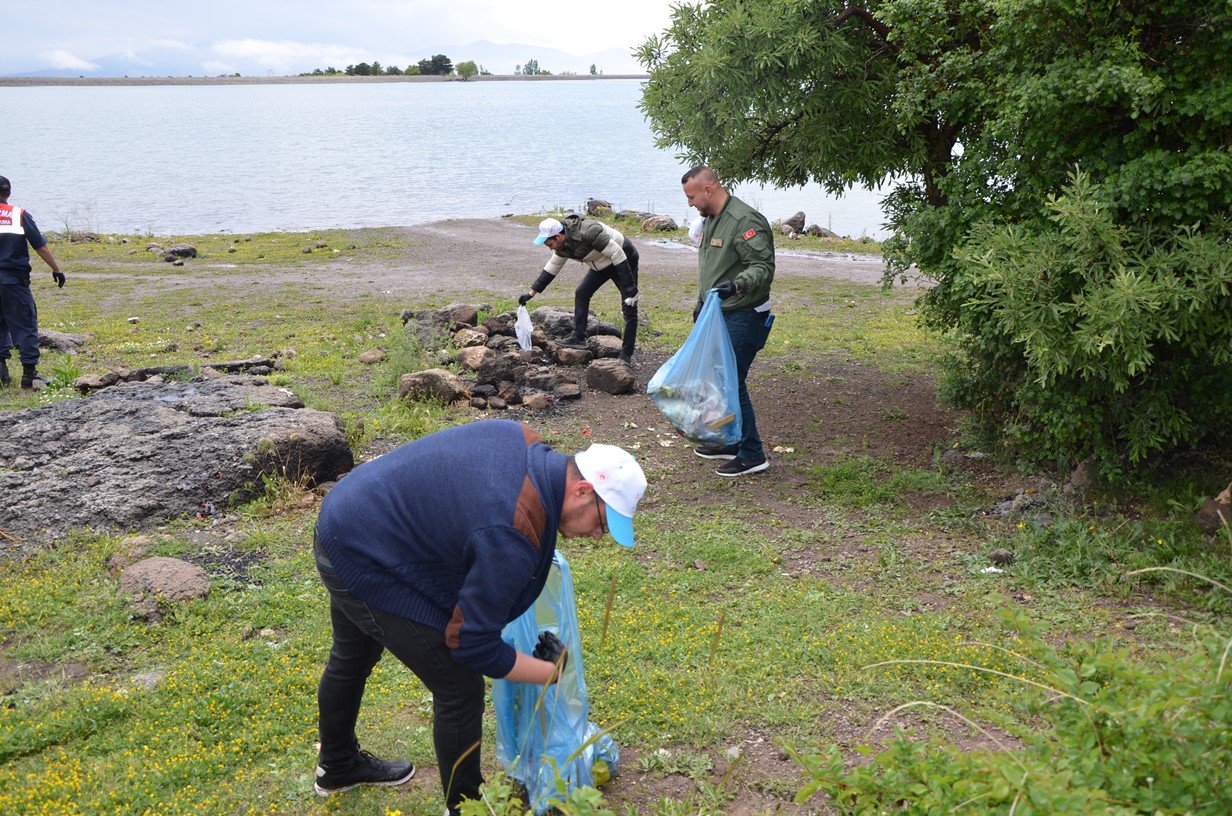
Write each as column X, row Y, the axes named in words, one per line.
column 438, row 65
column 467, row 69
column 1120, row 739
column 982, row 111
column 1084, row 338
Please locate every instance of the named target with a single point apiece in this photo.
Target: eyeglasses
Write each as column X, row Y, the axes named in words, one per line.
column 602, row 514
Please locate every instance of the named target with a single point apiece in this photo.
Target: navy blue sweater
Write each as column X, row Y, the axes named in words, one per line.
column 455, row 530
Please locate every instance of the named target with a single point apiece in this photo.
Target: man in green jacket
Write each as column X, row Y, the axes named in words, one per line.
column 735, row 258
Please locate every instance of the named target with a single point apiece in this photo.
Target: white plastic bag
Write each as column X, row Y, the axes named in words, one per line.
column 524, row 328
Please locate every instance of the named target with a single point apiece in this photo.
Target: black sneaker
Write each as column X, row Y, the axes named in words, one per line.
column 573, row 343
column 739, row 467
column 5, row 379
column 715, row 452
column 365, row 769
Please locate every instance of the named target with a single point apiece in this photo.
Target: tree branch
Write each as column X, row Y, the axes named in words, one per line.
column 865, row 16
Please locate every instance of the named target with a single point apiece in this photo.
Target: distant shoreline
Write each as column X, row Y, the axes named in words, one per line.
column 18, row 82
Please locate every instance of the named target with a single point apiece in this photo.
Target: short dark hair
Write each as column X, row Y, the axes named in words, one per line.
column 702, row 171
column 5, row 187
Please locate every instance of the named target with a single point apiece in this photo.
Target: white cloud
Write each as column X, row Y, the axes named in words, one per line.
column 65, row 61
column 212, row 67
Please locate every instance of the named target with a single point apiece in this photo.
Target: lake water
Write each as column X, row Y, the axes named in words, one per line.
column 250, row 158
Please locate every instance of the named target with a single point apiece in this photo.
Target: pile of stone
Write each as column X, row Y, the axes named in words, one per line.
column 258, row 366
column 497, row 373
column 650, row 222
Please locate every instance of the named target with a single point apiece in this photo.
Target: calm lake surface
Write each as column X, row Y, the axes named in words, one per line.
column 250, row 158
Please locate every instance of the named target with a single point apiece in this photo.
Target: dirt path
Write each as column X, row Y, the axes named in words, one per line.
column 465, row 257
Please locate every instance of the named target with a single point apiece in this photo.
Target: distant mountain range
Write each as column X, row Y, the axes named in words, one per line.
column 198, row 61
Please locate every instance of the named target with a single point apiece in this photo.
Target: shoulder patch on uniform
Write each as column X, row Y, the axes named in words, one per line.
column 750, row 234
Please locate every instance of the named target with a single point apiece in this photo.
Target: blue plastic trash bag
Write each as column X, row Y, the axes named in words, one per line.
column 698, row 388
column 537, row 740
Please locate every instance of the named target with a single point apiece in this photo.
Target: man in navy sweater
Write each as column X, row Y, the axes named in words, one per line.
column 429, row 551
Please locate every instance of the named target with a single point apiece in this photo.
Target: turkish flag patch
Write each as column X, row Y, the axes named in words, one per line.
column 750, row 234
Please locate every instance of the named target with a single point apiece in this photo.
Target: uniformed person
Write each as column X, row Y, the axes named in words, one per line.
column 18, row 315
column 735, row 257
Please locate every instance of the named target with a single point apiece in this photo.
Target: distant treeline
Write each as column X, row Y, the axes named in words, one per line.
column 438, row 65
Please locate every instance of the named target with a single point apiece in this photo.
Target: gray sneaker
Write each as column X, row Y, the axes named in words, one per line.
column 365, row 769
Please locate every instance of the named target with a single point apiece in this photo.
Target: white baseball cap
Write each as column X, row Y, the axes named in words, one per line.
column 619, row 481
column 547, row 228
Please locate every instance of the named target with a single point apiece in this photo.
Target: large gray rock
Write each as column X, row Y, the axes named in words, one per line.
column 135, row 454
column 435, row 383
column 610, row 376
column 557, row 323
column 60, row 341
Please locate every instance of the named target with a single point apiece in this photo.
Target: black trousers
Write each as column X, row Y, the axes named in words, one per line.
column 361, row 635
column 624, row 275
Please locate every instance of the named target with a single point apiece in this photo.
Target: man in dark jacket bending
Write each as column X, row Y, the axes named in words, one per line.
column 429, row 551
column 607, row 256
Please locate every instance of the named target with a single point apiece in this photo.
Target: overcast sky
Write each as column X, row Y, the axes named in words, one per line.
column 290, row 36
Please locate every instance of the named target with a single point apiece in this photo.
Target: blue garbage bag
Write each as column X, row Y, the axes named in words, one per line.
column 539, row 739
column 698, row 388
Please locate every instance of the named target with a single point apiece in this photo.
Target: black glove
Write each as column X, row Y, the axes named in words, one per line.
column 59, row 278
column 551, row 649
column 697, row 310
column 726, row 289
column 524, row 298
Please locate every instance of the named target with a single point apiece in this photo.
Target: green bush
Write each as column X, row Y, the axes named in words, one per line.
column 1083, row 337
column 1123, row 740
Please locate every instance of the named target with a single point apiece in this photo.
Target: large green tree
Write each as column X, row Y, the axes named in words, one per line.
column 1093, row 135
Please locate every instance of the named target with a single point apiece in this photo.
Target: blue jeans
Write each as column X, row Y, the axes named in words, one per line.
column 361, row 635
column 748, row 331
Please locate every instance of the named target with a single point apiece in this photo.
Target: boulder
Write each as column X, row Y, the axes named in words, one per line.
column 472, row 358
column 168, row 578
column 499, row 368
column 633, row 215
column 557, row 323
column 157, row 581
column 137, row 454
column 659, row 223
column 60, row 341
column 464, row 338
column 796, row 222
column 610, row 376
column 604, row 345
column 435, row 383
column 597, row 206
column 1216, row 513
column 572, row 357
column 822, row 232
column 373, row 355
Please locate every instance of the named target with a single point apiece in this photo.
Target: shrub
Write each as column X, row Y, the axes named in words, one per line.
column 1087, row 338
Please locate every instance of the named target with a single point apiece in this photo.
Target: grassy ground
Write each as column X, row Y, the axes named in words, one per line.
column 747, row 622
